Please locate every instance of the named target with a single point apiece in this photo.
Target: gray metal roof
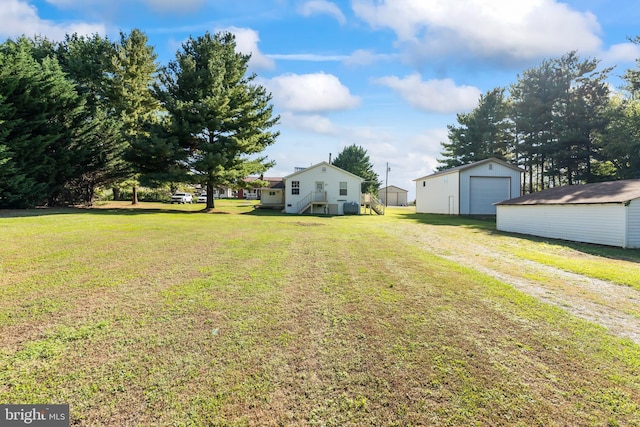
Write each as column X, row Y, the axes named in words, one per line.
column 602, row 192
column 472, row 165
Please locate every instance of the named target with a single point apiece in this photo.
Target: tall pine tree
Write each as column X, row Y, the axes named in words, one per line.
column 131, row 97
column 219, row 116
column 483, row 133
column 43, row 131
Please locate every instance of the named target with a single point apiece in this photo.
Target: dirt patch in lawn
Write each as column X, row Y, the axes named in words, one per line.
column 608, row 304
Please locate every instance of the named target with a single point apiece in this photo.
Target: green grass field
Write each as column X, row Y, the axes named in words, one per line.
column 165, row 315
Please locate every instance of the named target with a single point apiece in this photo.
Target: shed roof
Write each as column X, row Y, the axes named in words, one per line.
column 335, row 168
column 602, row 192
column 272, row 182
column 393, row 187
column 472, row 165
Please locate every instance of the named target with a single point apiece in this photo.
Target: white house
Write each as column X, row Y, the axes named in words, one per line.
column 606, row 213
column 322, row 189
column 393, row 196
column 469, row 189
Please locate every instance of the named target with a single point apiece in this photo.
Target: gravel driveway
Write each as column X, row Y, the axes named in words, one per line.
column 610, row 305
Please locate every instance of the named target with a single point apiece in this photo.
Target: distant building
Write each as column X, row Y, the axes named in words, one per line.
column 397, row 196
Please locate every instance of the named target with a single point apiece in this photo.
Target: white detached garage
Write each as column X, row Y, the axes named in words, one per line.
column 471, row 189
column 606, row 213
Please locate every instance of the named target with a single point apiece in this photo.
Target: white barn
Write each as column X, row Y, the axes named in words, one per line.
column 605, row 213
column 322, row 189
column 469, row 189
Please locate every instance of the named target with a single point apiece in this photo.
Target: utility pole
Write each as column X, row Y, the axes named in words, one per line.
column 386, row 188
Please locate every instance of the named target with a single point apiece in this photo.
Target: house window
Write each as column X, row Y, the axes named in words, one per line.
column 272, row 193
column 424, row 183
column 295, row 187
column 343, row 188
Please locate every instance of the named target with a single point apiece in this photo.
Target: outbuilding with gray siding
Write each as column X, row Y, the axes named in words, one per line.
column 471, row 189
column 605, row 213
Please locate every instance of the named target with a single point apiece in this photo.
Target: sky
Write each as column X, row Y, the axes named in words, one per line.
column 386, row 75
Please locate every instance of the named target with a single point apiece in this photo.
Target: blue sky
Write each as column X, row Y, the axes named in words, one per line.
column 388, row 75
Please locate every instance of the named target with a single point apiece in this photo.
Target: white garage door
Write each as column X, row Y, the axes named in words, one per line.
column 485, row 191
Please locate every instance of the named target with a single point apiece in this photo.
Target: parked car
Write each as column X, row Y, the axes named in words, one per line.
column 202, row 198
column 181, row 198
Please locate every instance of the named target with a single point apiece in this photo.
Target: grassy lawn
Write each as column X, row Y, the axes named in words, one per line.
column 617, row 265
column 166, row 315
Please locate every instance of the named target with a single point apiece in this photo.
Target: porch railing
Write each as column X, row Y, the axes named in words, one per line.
column 313, row 197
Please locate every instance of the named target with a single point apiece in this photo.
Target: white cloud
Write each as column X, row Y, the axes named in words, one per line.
column 323, row 7
column 622, row 53
column 309, row 122
column 19, row 18
column 247, row 43
column 440, row 96
column 318, row 92
column 515, row 30
column 367, row 57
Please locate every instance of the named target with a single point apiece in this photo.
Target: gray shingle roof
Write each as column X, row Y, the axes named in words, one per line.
column 601, row 192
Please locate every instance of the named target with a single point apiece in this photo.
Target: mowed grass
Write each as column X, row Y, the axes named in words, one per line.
column 617, row 265
column 171, row 316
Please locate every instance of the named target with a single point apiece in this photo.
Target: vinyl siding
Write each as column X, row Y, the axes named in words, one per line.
column 331, row 177
column 439, row 194
column 633, row 224
column 267, row 198
column 590, row 223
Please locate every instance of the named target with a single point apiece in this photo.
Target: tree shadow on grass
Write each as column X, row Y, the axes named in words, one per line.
column 487, row 223
column 39, row 212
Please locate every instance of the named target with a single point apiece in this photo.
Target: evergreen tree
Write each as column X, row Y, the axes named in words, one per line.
column 581, row 117
column 60, row 149
column 89, row 63
column 13, row 183
column 39, row 134
column 483, row 133
column 632, row 76
column 355, row 159
column 219, row 116
column 558, row 111
column 621, row 139
column 130, row 93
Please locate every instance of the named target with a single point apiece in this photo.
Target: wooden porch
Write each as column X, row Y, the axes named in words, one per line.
column 371, row 204
column 315, row 202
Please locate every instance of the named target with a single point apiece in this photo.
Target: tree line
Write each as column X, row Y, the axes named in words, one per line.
column 87, row 113
column 560, row 121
